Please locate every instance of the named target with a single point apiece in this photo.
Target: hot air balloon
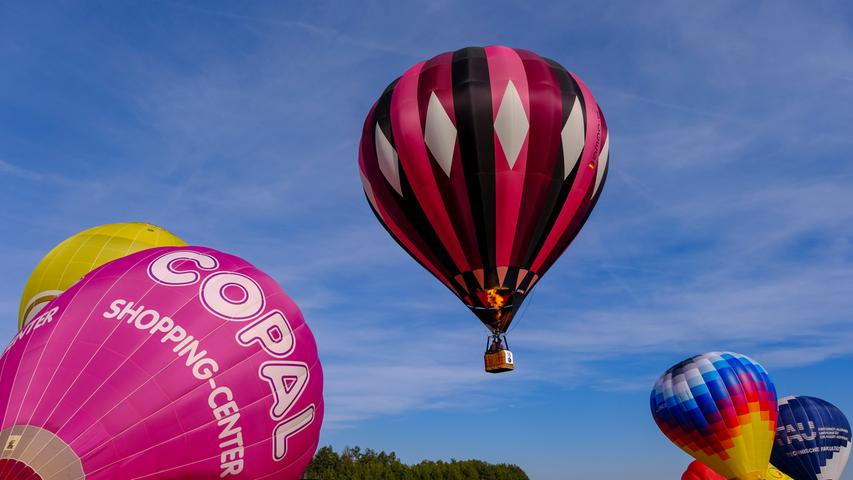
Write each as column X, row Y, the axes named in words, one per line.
column 170, row 363
column 83, row 252
column 699, row 471
column 812, row 439
column 484, row 164
column 720, row 408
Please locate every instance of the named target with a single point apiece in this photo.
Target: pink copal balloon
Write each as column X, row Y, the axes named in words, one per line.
column 172, row 363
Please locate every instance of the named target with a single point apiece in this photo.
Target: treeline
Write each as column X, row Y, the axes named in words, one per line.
column 355, row 464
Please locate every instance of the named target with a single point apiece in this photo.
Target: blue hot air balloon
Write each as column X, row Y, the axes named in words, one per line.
column 812, row 439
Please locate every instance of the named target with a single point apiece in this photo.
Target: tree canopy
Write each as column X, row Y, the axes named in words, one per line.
column 357, row 464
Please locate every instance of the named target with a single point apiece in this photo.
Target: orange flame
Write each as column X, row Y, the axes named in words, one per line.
column 496, row 300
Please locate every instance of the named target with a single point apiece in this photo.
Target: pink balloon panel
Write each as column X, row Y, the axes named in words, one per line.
column 172, row 363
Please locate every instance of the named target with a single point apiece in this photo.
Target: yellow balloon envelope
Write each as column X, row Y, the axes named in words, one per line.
column 78, row 255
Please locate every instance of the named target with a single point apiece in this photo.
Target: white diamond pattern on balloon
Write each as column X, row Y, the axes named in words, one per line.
column 440, row 134
column 603, row 157
column 572, row 138
column 511, row 124
column 389, row 163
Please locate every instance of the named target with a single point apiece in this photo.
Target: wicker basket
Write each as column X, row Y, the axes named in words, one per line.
column 500, row 361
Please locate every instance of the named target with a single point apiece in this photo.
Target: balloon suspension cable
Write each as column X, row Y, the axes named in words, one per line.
column 496, row 342
column 523, row 312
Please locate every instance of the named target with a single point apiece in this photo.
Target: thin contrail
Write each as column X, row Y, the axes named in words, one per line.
column 326, row 32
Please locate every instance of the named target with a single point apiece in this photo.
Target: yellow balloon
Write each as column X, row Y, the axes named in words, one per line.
column 78, row 255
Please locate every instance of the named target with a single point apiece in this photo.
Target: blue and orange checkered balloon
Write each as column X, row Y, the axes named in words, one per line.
column 720, row 408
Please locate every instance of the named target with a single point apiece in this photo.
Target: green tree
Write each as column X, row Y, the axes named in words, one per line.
column 353, row 463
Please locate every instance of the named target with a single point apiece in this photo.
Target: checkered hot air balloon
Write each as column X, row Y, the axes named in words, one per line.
column 720, row 408
column 484, row 164
column 171, row 363
column 812, row 439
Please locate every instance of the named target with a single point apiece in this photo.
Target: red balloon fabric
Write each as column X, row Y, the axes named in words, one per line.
column 699, row 471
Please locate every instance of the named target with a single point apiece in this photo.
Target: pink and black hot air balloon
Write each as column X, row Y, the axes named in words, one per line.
column 484, row 164
column 172, row 363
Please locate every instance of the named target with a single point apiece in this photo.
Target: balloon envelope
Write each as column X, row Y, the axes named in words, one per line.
column 720, row 408
column 484, row 164
column 699, row 471
column 812, row 439
column 171, row 363
column 82, row 253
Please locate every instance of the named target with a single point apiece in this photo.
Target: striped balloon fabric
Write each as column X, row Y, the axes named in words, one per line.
column 484, row 164
column 719, row 407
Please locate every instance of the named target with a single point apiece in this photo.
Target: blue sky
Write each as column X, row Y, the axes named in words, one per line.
column 726, row 222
